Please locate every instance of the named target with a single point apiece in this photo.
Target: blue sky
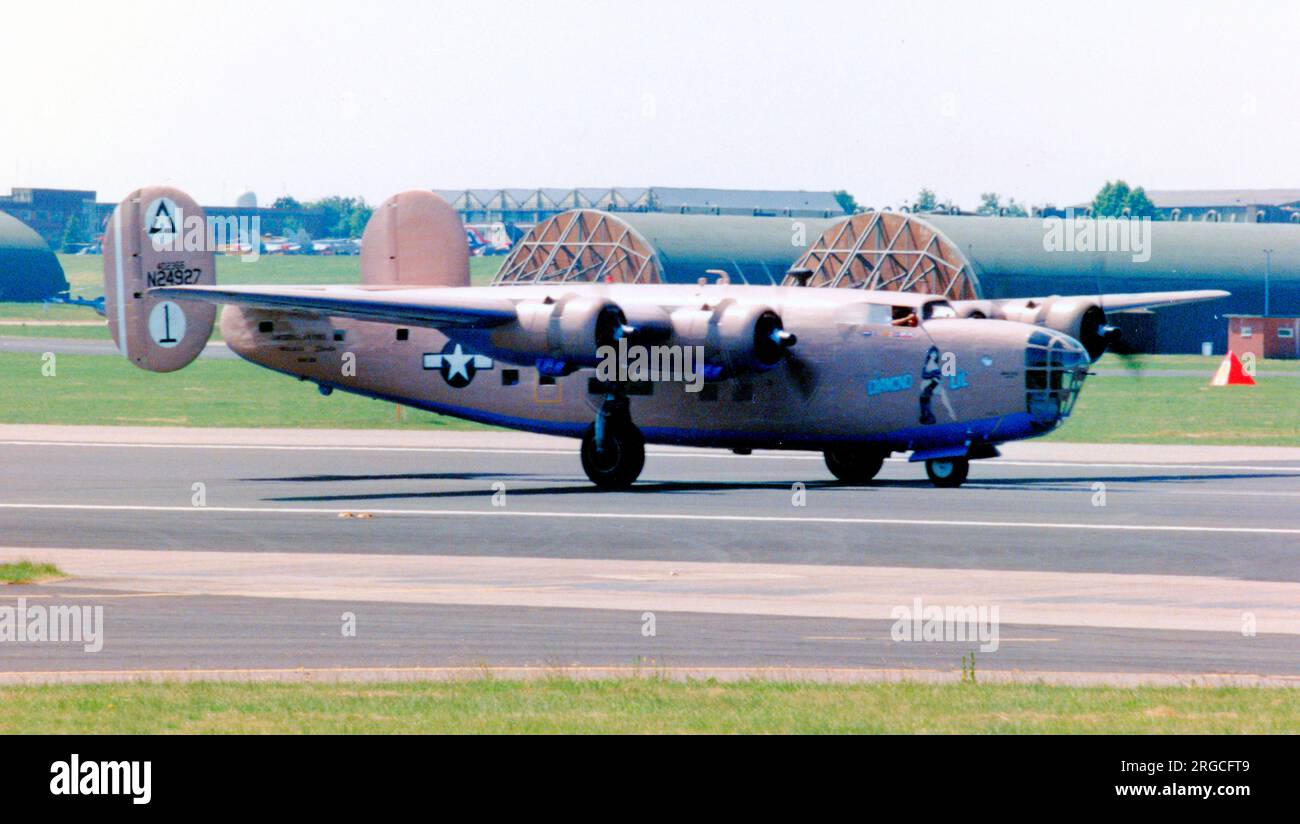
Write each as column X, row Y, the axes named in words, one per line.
column 1042, row 102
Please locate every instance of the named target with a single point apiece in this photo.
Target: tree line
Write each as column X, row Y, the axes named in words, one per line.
column 340, row 216
column 1115, row 199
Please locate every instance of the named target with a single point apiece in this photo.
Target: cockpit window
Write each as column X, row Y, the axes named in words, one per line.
column 878, row 313
column 904, row 316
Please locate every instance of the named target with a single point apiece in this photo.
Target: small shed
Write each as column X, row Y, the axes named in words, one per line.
column 1264, row 336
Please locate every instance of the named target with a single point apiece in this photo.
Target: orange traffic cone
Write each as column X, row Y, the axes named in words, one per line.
column 1231, row 373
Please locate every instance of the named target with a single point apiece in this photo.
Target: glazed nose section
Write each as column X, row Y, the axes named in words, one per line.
column 1055, row 366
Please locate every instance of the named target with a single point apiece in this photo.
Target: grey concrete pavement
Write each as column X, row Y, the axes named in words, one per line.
column 1190, row 544
column 179, row 636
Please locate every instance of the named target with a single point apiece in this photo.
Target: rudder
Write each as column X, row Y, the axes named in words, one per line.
column 414, row 239
column 146, row 244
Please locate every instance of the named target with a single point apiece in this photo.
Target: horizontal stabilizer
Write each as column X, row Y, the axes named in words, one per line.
column 435, row 307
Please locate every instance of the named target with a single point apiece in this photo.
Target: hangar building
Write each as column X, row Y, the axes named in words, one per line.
column 47, row 211
column 648, row 247
column 875, row 250
column 530, row 206
column 967, row 257
column 1223, row 205
column 29, row 271
column 1009, row 260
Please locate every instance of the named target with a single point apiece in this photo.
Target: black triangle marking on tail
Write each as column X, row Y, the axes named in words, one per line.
column 161, row 214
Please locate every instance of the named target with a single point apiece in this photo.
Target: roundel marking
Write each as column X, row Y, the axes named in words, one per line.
column 456, row 366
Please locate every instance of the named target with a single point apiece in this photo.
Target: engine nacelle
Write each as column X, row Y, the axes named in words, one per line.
column 736, row 337
column 567, row 331
column 977, row 309
column 1081, row 318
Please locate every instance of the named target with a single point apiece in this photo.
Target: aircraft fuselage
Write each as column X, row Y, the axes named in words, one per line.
column 854, row 377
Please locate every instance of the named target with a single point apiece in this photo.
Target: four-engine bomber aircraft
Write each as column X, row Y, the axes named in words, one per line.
column 854, row 374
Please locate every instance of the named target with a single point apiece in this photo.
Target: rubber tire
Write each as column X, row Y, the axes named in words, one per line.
column 947, row 473
column 628, row 457
column 854, row 466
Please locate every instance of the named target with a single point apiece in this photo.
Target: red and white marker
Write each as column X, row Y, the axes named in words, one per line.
column 1231, row 373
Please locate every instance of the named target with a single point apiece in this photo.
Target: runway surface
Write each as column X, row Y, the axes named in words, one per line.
column 491, row 549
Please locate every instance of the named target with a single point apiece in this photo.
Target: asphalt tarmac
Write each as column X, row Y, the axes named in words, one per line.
column 483, row 549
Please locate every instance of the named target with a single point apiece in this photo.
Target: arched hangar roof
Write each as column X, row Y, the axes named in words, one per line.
column 29, row 271
column 654, row 247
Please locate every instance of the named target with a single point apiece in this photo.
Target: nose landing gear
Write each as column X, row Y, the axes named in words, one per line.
column 947, row 472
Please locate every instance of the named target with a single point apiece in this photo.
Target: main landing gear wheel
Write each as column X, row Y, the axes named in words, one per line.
column 618, row 465
column 854, row 466
column 947, row 472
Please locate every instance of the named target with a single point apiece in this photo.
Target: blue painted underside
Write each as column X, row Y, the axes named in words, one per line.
column 930, row 440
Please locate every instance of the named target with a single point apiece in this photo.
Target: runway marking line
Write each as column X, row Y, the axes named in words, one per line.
column 702, row 452
column 661, row 516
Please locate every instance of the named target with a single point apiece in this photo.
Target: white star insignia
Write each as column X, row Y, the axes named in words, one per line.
column 457, row 361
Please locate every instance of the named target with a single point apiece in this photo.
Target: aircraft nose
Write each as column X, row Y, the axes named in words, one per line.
column 1055, row 366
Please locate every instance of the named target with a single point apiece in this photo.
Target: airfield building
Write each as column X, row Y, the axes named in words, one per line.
column 966, row 257
column 645, row 247
column 1265, row 336
column 1223, row 205
column 48, row 211
column 29, row 271
column 531, row 206
column 1011, row 259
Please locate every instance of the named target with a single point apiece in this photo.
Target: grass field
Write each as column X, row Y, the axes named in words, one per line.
column 1125, row 408
column 640, row 705
column 85, row 278
column 85, row 272
column 106, row 390
column 1207, row 365
column 68, row 331
column 89, row 389
column 1133, row 409
column 41, row 311
column 28, row 572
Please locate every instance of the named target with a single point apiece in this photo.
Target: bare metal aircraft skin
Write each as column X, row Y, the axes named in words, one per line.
column 854, row 374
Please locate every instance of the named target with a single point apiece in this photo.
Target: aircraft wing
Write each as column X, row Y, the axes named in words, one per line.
column 1124, row 301
column 1151, row 300
column 436, row 308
